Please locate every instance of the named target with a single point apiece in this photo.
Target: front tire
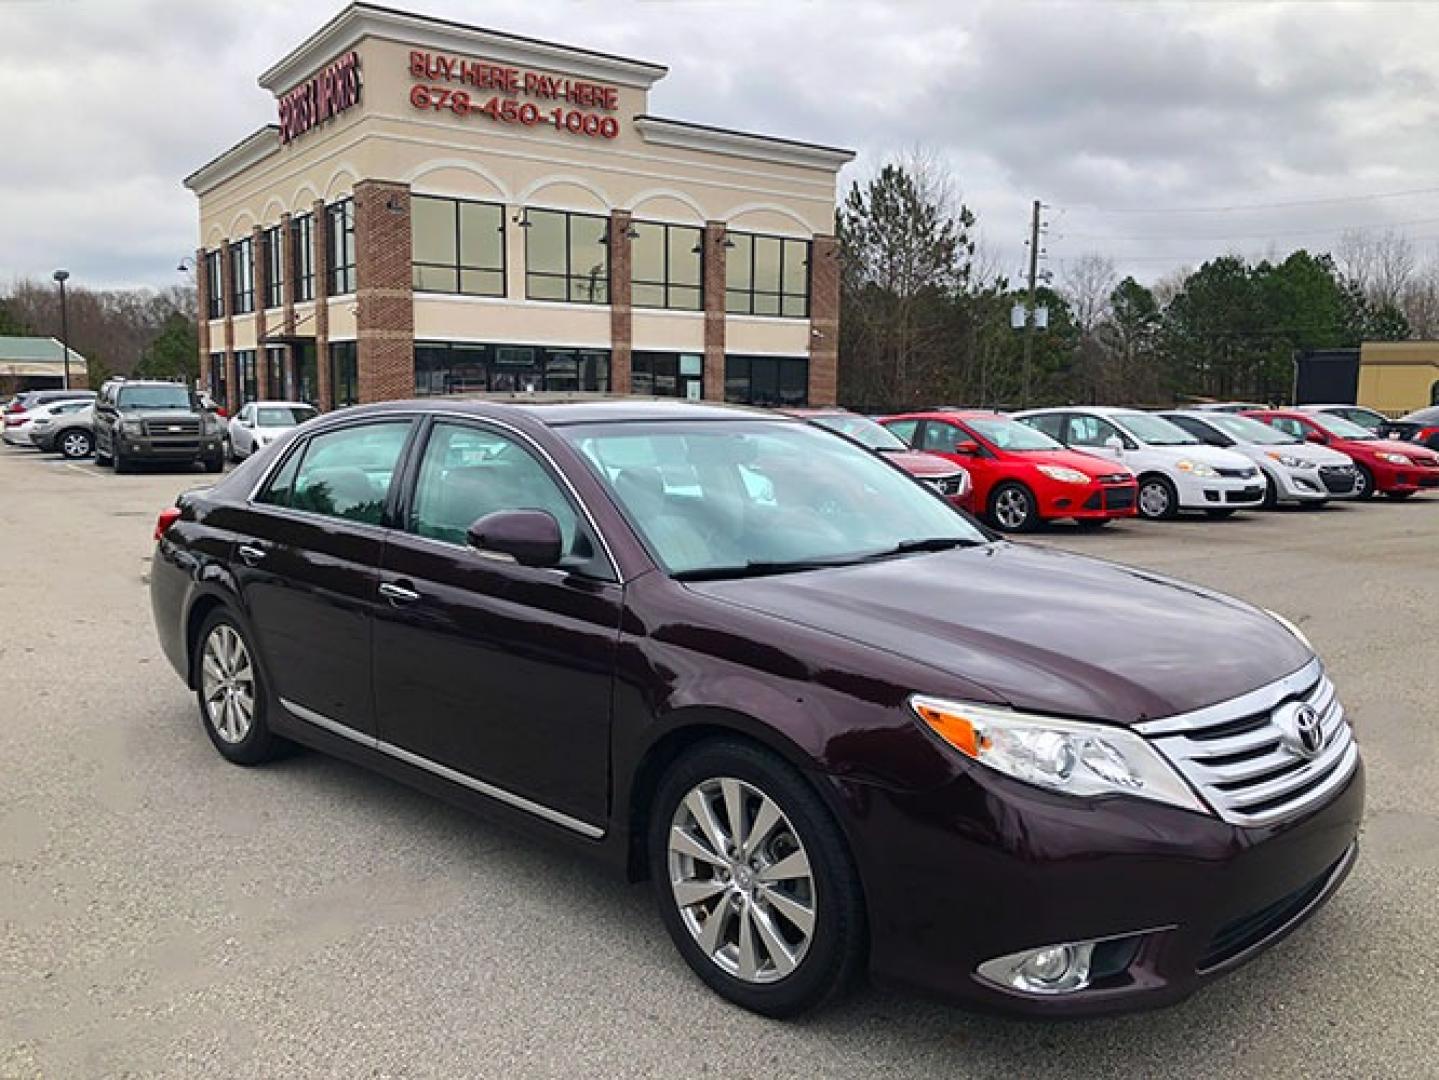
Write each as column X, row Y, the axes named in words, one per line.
column 1158, row 500
column 1013, row 509
column 755, row 884
column 1363, row 483
column 231, row 692
column 74, row 445
column 215, row 464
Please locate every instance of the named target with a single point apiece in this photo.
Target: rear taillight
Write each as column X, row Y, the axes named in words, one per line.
column 168, row 517
column 1425, row 434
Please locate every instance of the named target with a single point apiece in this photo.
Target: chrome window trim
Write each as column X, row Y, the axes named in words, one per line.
column 399, row 753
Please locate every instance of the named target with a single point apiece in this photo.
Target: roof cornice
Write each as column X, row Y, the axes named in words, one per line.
column 686, row 136
column 248, row 152
column 360, row 20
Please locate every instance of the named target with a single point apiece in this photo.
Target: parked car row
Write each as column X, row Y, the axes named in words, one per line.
column 131, row 422
column 1092, row 464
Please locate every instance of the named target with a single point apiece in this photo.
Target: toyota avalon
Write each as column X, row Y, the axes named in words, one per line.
column 838, row 724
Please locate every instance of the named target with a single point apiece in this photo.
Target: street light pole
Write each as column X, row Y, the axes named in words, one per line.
column 61, row 276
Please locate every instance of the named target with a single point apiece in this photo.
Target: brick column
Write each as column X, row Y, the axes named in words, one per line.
column 287, row 300
column 202, row 329
column 714, row 303
column 621, row 295
column 321, row 234
column 824, row 320
column 232, row 392
column 385, row 295
column 260, row 276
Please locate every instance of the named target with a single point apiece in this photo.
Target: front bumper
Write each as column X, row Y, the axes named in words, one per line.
column 1220, row 492
column 1089, row 501
column 1313, row 485
column 983, row 866
column 152, row 448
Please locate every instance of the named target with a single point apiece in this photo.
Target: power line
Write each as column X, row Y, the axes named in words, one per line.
column 1240, row 207
column 1323, row 230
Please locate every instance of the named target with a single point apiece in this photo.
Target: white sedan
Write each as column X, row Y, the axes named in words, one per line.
column 262, row 422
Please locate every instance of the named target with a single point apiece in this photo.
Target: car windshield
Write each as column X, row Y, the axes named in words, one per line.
column 1155, row 430
column 747, row 497
column 1424, row 416
column 283, row 415
column 155, row 397
column 863, row 430
column 1344, row 429
column 1010, row 434
column 1243, row 429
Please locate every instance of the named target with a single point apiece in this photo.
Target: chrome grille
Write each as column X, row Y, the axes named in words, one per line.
column 1239, row 759
column 177, row 426
column 948, row 485
column 1237, row 474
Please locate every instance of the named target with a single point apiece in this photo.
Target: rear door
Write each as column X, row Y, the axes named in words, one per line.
column 487, row 671
column 307, row 557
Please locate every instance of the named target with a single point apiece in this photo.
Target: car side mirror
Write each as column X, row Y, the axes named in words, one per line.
column 967, row 447
column 1115, row 443
column 529, row 537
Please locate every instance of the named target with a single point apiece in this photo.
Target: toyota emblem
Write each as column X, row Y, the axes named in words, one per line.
column 1301, row 728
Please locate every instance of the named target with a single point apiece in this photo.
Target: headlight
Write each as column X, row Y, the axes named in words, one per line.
column 1063, row 475
column 1288, row 625
column 1197, row 468
column 1289, row 461
column 210, row 424
column 1393, row 459
column 1068, row 756
column 131, row 427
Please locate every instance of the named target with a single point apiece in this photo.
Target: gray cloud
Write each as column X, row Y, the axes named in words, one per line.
column 1091, row 107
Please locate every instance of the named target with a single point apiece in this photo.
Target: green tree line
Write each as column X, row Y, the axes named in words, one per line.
column 923, row 323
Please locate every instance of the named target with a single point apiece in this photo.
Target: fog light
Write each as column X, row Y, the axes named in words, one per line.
column 1054, row 969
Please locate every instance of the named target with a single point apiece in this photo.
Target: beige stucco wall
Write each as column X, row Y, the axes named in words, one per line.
column 385, row 137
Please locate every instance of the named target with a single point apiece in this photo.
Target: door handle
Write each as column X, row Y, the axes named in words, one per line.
column 397, row 594
column 250, row 554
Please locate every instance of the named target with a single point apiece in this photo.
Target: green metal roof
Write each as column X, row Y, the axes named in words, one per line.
column 34, row 350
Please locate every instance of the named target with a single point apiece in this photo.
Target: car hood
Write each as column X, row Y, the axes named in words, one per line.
column 1205, row 455
column 1092, row 465
column 1394, row 446
column 918, row 463
column 1042, row 630
column 1320, row 455
column 158, row 414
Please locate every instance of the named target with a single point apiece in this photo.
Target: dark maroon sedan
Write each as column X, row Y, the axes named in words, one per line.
column 838, row 724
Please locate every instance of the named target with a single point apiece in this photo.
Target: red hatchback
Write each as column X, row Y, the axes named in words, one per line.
column 1021, row 476
column 1398, row 469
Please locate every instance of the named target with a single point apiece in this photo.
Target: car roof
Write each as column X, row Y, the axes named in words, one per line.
column 1333, row 405
column 562, row 411
column 1424, row 415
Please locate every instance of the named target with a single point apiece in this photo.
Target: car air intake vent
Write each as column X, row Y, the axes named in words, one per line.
column 1117, row 478
column 1267, row 755
column 948, row 485
column 1238, row 474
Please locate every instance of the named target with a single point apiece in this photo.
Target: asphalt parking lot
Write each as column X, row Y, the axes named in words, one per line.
column 165, row 913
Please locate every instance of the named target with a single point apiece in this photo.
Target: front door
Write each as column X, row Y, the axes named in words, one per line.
column 497, row 671
column 307, row 558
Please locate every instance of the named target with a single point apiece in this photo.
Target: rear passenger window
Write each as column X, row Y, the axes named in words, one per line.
column 342, row 474
column 1050, row 423
column 904, row 429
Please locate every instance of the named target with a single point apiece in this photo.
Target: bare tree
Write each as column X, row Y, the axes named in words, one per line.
column 1086, row 283
column 1380, row 265
column 1420, row 299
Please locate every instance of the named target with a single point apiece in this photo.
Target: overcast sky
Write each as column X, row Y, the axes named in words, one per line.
column 1133, row 121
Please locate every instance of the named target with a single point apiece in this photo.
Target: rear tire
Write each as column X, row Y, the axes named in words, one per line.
column 215, row 464
column 231, row 692
column 1012, row 508
column 1157, row 498
column 74, row 445
column 1271, row 493
column 776, row 943
column 1363, row 483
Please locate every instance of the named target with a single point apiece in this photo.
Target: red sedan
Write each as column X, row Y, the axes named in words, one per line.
column 1398, row 469
column 948, row 478
column 1021, row 476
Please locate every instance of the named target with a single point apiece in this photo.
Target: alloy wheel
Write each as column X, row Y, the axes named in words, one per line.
column 1011, row 508
column 1154, row 500
column 741, row 879
column 227, row 680
column 75, row 444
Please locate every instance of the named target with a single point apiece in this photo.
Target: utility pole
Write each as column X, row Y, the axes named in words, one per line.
column 1029, row 317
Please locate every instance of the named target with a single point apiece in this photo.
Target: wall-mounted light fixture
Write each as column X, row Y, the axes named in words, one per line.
column 522, row 219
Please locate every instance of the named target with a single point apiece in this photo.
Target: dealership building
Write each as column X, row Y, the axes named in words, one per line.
column 446, row 209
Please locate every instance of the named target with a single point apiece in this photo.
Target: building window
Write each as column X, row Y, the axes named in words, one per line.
column 245, row 374
column 344, row 373
column 272, row 260
column 567, row 257
column 443, row 367
column 341, row 234
column 275, row 373
column 767, row 380
column 214, row 286
column 217, row 378
column 307, row 375
column 659, row 374
column 665, row 263
column 302, row 249
column 242, row 277
column 457, row 247
column 767, row 275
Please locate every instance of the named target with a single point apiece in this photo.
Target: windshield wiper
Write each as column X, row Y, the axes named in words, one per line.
column 930, row 543
column 758, row 568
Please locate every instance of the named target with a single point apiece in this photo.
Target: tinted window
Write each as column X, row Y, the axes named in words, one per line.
column 1010, row 434
column 1156, row 431
column 1092, row 431
column 1052, row 424
column 156, row 397
column 1201, row 431
column 284, row 415
column 941, row 438
column 344, row 474
column 468, row 472
column 905, row 429
column 1291, row 427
